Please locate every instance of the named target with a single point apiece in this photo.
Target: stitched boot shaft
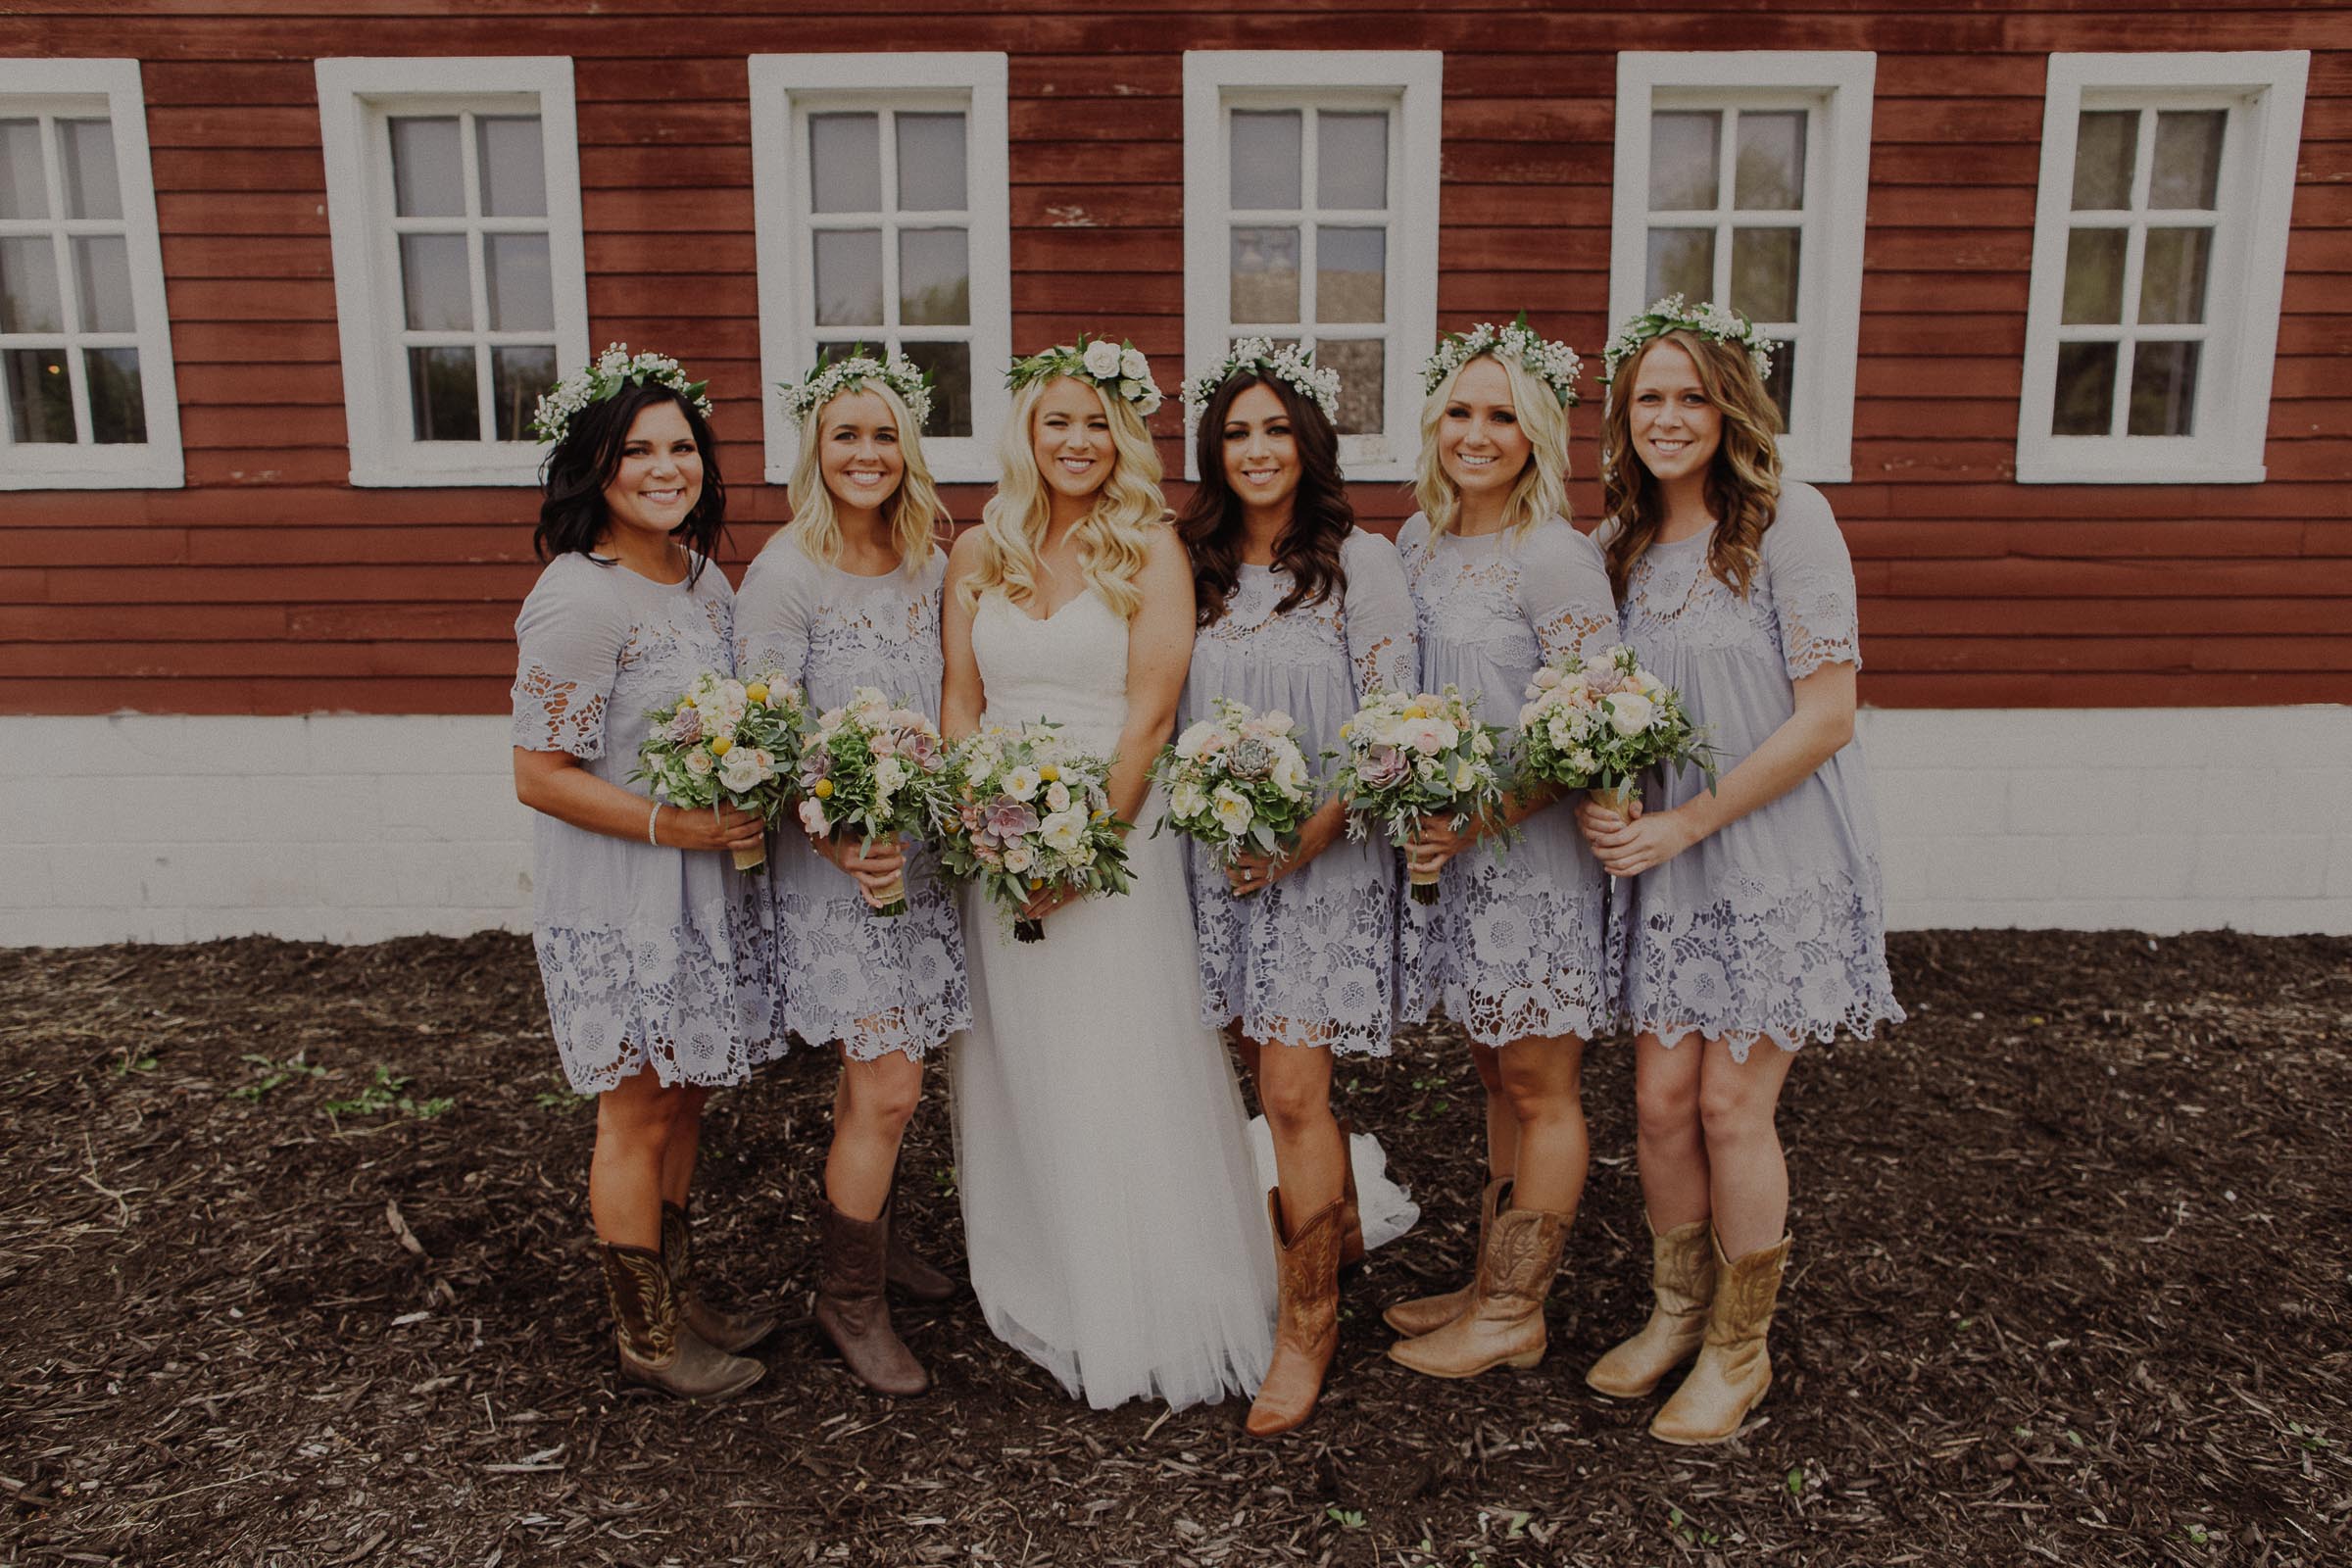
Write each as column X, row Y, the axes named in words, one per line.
column 850, row 1308
column 1682, row 1283
column 904, row 1269
column 1306, row 1321
column 1734, row 1367
column 1351, row 1217
column 722, row 1331
column 655, row 1346
column 1505, row 1321
column 1430, row 1312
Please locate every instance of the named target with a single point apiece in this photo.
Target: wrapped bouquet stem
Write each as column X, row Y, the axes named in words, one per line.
column 875, row 770
column 726, row 742
column 1236, row 782
column 1412, row 756
column 1031, row 812
column 1595, row 724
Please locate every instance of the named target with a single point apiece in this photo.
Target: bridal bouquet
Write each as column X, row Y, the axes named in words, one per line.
column 879, row 770
column 726, row 742
column 1415, row 756
column 1236, row 782
column 1032, row 811
column 1594, row 725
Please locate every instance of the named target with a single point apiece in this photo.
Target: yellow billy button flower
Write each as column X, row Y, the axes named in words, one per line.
column 822, row 789
column 1048, row 774
column 1346, row 728
column 685, row 701
column 720, row 746
column 1036, row 883
column 756, row 691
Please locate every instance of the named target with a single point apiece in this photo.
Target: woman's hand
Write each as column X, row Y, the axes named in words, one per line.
column 1436, row 841
column 1630, row 849
column 1046, row 900
column 1594, row 818
column 874, row 868
column 723, row 828
column 1253, row 872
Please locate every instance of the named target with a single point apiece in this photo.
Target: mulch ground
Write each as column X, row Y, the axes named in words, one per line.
column 293, row 1270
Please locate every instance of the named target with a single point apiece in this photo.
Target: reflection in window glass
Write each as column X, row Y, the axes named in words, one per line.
column 1352, row 161
column 24, row 188
column 522, row 281
column 441, row 392
column 931, row 163
column 2094, row 276
column 40, row 396
column 844, row 162
column 1681, row 260
column 1265, row 158
column 2172, row 275
column 935, row 277
column 117, row 398
column 849, row 276
column 517, row 375
column 1764, row 264
column 1682, row 150
column 1362, row 364
column 2164, row 389
column 2085, row 402
column 29, row 301
column 1771, row 170
column 1352, row 275
column 514, row 166
column 427, row 180
column 2187, row 171
column 950, row 367
column 2105, row 144
column 1265, row 275
column 85, row 150
column 102, row 282
column 436, row 287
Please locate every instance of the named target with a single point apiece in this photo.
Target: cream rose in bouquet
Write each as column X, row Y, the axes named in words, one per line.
column 1033, row 812
column 1595, row 724
column 1236, row 782
column 726, row 742
column 878, row 769
column 1412, row 756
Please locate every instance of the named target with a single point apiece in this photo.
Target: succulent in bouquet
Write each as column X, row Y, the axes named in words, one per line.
column 1236, row 782
column 726, row 742
column 1410, row 755
column 1033, row 812
column 875, row 770
column 1595, row 723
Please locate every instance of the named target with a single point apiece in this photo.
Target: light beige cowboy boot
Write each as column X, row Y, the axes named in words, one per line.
column 1307, row 1319
column 1422, row 1314
column 1351, row 1217
column 1734, row 1366
column 655, row 1346
column 721, row 1330
column 1681, row 1284
column 851, row 1308
column 1504, row 1320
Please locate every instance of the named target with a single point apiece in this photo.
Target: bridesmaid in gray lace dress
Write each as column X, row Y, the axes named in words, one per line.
column 849, row 596
column 641, row 926
column 1751, row 913
column 1302, row 612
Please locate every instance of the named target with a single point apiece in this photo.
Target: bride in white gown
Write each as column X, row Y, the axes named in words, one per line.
column 1114, row 1215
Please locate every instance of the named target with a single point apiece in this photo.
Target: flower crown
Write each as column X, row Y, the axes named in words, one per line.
column 1116, row 368
column 829, row 378
column 1554, row 363
column 1257, row 356
column 604, row 378
column 1707, row 320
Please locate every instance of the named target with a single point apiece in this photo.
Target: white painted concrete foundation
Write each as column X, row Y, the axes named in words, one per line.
column 351, row 828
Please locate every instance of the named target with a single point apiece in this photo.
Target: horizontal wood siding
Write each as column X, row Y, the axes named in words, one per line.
column 269, row 585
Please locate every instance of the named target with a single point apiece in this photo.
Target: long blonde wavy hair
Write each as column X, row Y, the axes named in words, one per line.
column 914, row 512
column 1542, row 492
column 1114, row 538
column 1743, row 484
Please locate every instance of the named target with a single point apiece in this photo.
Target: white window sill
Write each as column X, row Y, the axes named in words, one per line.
column 2125, row 471
column 449, row 476
column 151, row 474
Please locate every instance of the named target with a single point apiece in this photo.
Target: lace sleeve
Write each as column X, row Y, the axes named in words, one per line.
column 568, row 640
column 772, row 622
column 1812, row 580
column 1564, row 592
column 1379, row 611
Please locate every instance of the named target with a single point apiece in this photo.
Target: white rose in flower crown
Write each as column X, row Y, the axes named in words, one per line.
column 1021, row 783
column 812, row 820
column 1233, row 809
column 1629, row 711
column 1061, row 830
column 1057, row 796
column 1102, row 359
column 1133, row 366
column 1194, row 737
column 699, row 763
column 1188, row 801
column 1018, row 857
column 1150, row 403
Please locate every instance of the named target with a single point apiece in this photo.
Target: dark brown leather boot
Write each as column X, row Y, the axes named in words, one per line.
column 1307, row 1319
column 905, row 1269
column 656, row 1346
column 851, row 1308
column 721, row 1330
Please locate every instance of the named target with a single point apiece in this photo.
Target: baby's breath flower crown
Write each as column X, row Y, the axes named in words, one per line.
column 829, row 378
column 605, row 376
column 1257, row 356
column 1118, row 369
column 1553, row 362
column 1707, row 320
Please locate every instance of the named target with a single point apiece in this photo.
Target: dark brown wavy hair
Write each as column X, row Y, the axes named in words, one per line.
column 1210, row 524
column 573, row 475
column 1743, row 480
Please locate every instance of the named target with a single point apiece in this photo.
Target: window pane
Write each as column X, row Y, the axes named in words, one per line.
column 1265, row 158
column 2172, row 275
column 950, row 367
column 845, row 350
column 514, row 170
column 24, row 190
column 434, row 282
column 2164, row 389
column 118, row 399
column 517, row 375
column 441, row 396
column 86, row 148
column 2105, row 141
column 935, row 277
column 1265, row 274
column 2094, row 276
column 40, row 397
column 1362, row 364
column 427, row 180
column 1683, row 173
column 2187, row 172
column 1781, row 385
column 28, row 297
column 522, row 287
column 1764, row 273
column 102, row 278
column 845, row 164
column 849, row 277
column 1352, row 161
column 1771, row 172
column 931, row 163
column 1681, row 260
column 2086, row 399
column 1352, row 275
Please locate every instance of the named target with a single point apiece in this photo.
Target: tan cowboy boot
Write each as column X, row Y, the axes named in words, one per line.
column 656, row 1346
column 721, row 1330
column 1351, row 1218
column 1430, row 1312
column 1734, row 1367
column 1504, row 1320
column 850, row 1308
column 1682, row 1283
column 905, row 1269
column 1307, row 1322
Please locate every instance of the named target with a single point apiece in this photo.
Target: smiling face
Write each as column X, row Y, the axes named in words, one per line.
column 1071, row 435
column 659, row 479
column 1262, row 449
column 858, row 452
column 1481, row 443
column 1674, row 428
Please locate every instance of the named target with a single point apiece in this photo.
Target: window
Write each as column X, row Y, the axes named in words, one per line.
column 454, row 195
column 85, row 351
column 883, row 203
column 1742, row 178
column 2159, row 261
column 1310, row 198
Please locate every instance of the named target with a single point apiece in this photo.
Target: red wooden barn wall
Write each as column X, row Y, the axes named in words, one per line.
column 269, row 585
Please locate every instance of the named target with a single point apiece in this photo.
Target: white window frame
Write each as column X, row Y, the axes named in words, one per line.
column 356, row 96
column 1409, row 82
column 1836, row 86
column 2245, row 277
column 85, row 88
column 785, row 90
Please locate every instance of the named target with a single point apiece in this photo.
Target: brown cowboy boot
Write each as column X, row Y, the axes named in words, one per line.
column 656, row 1346
column 852, row 1310
column 1351, row 1218
column 905, row 1269
column 1428, row 1313
column 1504, row 1320
column 1734, row 1367
column 1306, row 1320
column 1682, row 1283
column 721, row 1330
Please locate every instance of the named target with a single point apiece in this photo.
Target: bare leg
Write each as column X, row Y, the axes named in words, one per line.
column 685, row 1144
column 1503, row 1123
column 1671, row 1153
column 633, row 1123
column 1293, row 1086
column 1747, row 1172
column 1542, row 1088
column 870, row 1112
